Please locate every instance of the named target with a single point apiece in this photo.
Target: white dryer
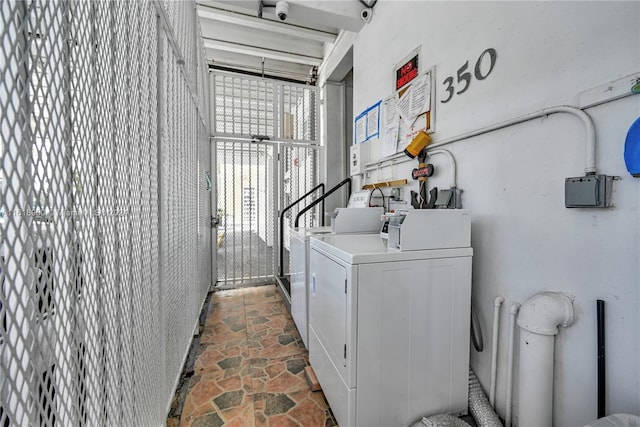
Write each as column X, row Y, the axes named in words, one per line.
column 389, row 329
column 345, row 221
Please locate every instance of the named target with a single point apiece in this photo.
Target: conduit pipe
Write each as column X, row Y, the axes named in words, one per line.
column 452, row 164
column 590, row 149
column 513, row 313
column 497, row 303
column 539, row 319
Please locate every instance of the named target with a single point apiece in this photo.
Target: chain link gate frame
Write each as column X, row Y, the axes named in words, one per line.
column 266, row 143
column 105, row 246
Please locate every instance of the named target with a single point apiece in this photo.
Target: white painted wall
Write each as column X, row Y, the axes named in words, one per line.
column 524, row 239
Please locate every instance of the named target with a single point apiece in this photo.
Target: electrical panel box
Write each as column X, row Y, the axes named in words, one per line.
column 449, row 199
column 591, row 191
column 358, row 156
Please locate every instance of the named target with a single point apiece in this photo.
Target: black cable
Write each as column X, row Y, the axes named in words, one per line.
column 476, row 331
column 369, row 5
column 381, row 193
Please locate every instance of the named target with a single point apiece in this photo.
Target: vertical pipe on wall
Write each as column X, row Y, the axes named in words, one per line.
column 536, row 379
column 513, row 313
column 601, row 360
column 539, row 319
column 497, row 303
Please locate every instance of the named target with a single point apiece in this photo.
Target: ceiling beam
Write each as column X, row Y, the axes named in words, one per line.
column 261, row 52
column 341, row 14
column 264, row 24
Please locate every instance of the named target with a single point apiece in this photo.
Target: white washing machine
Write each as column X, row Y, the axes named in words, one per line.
column 345, row 221
column 389, row 329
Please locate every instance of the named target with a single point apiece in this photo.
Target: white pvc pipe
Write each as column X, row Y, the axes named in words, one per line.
column 590, row 145
column 539, row 319
column 513, row 312
column 536, row 380
column 497, row 303
column 452, row 164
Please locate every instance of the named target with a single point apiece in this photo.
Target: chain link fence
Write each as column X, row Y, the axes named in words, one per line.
column 105, row 239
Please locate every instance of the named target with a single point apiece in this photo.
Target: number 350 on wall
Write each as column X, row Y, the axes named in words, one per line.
column 464, row 77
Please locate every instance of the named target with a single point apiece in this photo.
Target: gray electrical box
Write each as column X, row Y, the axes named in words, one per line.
column 590, row 191
column 449, row 199
column 444, row 198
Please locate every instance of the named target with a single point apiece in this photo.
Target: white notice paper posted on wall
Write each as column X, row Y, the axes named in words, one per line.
column 373, row 122
column 390, row 140
column 389, row 113
column 391, row 121
column 403, row 106
column 361, row 129
column 420, row 96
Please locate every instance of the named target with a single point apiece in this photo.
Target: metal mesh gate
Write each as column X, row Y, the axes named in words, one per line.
column 266, row 157
column 104, row 211
column 247, row 180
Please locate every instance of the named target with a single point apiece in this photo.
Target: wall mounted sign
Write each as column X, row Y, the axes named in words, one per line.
column 481, row 71
column 415, row 108
column 407, row 72
column 367, row 124
column 407, row 69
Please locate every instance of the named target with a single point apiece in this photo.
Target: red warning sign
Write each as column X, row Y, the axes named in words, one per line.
column 407, row 72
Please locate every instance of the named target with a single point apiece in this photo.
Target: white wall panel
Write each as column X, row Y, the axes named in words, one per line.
column 524, row 239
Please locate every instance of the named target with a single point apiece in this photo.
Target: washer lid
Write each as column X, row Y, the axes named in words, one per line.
column 632, row 149
column 371, row 248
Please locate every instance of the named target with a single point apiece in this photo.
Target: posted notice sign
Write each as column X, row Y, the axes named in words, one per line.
column 407, row 72
column 407, row 69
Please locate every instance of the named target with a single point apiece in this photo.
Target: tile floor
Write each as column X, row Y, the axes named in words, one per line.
column 250, row 365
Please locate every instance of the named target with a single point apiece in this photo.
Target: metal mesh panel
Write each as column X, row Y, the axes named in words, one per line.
column 250, row 189
column 252, row 185
column 204, row 211
column 178, row 214
column 299, row 111
column 246, row 183
column 104, row 214
column 202, row 82
column 300, row 175
column 244, row 106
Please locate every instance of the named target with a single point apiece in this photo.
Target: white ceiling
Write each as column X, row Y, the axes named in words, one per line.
column 235, row 37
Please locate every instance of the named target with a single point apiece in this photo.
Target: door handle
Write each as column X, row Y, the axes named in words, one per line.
column 313, row 285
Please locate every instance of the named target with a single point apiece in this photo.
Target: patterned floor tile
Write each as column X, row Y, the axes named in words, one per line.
column 276, row 324
column 295, row 409
column 281, row 375
column 262, row 295
column 218, row 357
column 226, row 393
column 249, row 368
column 274, row 336
column 222, row 312
column 271, row 347
column 265, row 310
